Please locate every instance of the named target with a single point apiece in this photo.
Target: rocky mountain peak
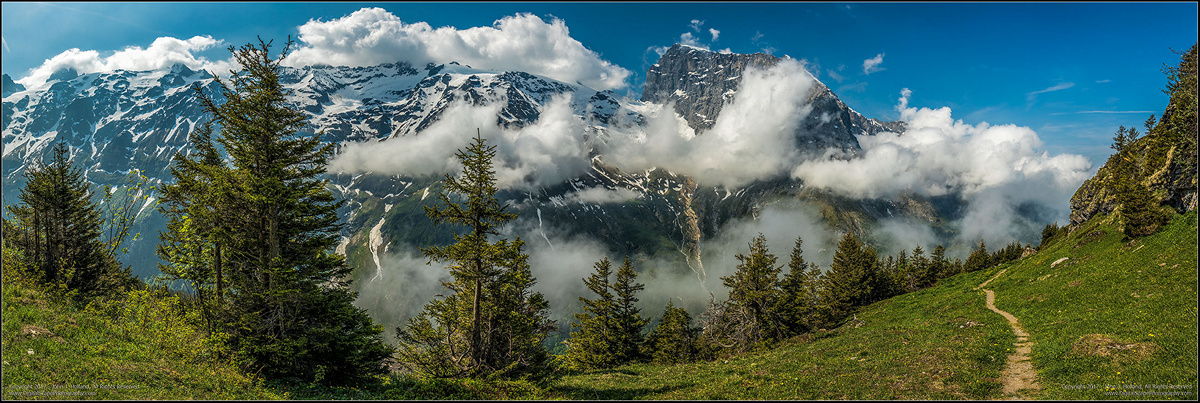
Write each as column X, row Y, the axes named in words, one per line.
column 700, row 82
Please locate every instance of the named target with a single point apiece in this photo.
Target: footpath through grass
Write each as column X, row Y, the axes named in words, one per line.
column 938, row 343
column 1113, row 319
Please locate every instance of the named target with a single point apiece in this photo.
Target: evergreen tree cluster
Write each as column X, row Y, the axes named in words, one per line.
column 609, row 330
column 57, row 230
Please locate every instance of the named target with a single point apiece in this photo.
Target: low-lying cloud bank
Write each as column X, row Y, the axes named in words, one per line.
column 1001, row 171
column 547, row 152
column 751, row 139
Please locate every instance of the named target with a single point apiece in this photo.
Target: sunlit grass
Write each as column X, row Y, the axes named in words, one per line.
column 133, row 349
column 1116, row 316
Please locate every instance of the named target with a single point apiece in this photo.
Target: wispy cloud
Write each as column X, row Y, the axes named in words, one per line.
column 1103, row 81
column 835, row 75
column 763, row 45
column 6, row 49
column 696, row 25
column 856, row 87
column 715, row 33
column 872, row 65
column 1057, row 87
column 688, row 39
column 1106, row 112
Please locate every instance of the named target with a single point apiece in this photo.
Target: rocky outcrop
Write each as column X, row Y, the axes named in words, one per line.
column 10, row 86
column 1165, row 157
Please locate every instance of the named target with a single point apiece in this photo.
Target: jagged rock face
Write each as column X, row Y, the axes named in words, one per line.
column 11, row 86
column 1170, row 173
column 701, row 82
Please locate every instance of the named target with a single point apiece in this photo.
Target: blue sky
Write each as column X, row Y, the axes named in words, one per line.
column 1070, row 71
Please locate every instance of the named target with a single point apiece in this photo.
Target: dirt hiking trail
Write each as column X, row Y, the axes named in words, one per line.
column 1018, row 375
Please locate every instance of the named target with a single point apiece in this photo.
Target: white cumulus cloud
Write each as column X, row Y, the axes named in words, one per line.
column 522, row 42
column 162, row 53
column 715, row 33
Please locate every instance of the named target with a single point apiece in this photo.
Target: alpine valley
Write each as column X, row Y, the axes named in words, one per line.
column 123, row 121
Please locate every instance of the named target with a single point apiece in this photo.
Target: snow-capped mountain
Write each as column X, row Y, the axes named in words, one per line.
column 124, row 120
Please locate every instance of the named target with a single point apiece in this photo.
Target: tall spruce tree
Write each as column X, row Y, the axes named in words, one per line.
column 852, row 277
column 56, row 227
column 939, row 267
column 190, row 248
column 593, row 343
column 456, row 336
column 257, row 224
column 796, row 302
column 627, row 316
column 754, row 287
column 1138, row 209
column 979, row 258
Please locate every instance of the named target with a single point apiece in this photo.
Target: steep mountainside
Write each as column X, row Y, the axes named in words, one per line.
column 115, row 122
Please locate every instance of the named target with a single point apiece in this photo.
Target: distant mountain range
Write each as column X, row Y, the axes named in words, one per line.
column 123, row 120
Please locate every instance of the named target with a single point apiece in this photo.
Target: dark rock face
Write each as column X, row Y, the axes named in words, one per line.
column 701, row 82
column 11, row 86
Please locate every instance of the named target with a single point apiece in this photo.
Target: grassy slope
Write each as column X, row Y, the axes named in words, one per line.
column 130, row 354
column 939, row 343
column 912, row 346
column 1140, row 295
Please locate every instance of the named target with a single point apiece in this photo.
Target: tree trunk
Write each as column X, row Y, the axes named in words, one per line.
column 476, row 348
column 220, row 285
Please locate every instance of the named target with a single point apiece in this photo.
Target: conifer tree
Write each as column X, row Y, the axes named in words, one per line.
column 979, row 258
column 627, row 316
column 455, row 336
column 796, row 301
column 918, row 271
column 256, row 223
column 674, row 339
column 851, row 279
column 754, row 287
column 516, row 321
column 1138, row 207
column 57, row 229
column 190, row 248
column 816, row 283
column 939, row 267
column 594, row 343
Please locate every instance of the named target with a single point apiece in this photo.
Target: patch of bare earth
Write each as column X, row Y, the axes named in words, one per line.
column 1018, row 376
column 1104, row 346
